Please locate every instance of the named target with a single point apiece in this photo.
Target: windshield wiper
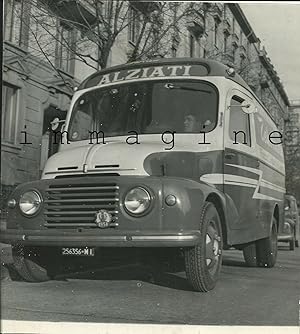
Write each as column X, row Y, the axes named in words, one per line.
column 172, row 86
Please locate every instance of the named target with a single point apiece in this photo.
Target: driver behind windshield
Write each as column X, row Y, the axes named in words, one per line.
column 192, row 124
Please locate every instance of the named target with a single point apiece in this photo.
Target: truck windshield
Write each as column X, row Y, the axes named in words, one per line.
column 147, row 108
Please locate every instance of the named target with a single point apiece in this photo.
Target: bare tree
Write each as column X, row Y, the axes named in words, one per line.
column 88, row 30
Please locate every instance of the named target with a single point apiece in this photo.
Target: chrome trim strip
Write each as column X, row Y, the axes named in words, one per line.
column 284, row 237
column 96, row 171
column 115, row 238
column 164, row 238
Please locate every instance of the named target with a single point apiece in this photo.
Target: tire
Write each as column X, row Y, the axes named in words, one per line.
column 266, row 249
column 203, row 262
column 249, row 253
column 27, row 265
column 293, row 242
column 297, row 243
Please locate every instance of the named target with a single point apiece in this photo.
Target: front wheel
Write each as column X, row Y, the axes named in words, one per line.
column 27, row 265
column 266, row 249
column 203, row 262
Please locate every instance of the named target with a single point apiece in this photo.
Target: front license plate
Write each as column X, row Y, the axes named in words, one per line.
column 78, row 251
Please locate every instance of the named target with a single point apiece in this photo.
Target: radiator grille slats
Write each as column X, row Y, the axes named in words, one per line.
column 75, row 206
column 76, row 213
column 79, row 195
column 79, row 200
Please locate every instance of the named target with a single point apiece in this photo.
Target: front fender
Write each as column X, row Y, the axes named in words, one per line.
column 191, row 196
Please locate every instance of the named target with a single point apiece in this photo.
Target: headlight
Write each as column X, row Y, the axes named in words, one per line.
column 137, row 201
column 30, row 202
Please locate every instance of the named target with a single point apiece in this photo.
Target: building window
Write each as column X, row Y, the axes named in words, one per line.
column 106, row 9
column 248, row 48
column 192, row 45
column 234, row 53
column 225, row 42
column 134, row 25
column 216, row 30
column 241, row 37
column 242, row 63
column 173, row 51
column 13, row 12
column 64, row 46
column 9, row 114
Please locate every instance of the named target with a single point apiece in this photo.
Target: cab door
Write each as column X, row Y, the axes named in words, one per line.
column 241, row 166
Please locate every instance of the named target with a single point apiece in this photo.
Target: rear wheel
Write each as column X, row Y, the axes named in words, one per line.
column 203, row 262
column 297, row 243
column 249, row 253
column 266, row 249
column 292, row 242
column 27, row 265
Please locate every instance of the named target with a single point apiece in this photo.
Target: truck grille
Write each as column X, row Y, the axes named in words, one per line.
column 75, row 205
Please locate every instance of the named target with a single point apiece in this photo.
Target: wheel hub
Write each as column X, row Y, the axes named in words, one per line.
column 213, row 248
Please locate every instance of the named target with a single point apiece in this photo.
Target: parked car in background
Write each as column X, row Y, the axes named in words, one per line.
column 291, row 223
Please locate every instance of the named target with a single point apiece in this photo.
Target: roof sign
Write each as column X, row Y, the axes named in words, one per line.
column 148, row 72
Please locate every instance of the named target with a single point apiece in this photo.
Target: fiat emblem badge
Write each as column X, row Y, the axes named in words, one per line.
column 103, row 218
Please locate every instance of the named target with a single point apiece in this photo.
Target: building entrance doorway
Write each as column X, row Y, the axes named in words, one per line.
column 49, row 146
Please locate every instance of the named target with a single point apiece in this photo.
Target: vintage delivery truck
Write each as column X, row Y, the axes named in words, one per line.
column 169, row 154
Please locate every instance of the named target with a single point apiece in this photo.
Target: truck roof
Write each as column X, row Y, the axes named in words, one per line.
column 214, row 68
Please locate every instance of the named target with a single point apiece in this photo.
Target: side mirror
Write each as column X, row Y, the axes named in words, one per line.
column 248, row 108
column 55, row 123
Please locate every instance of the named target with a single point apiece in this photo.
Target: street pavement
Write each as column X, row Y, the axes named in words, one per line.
column 129, row 294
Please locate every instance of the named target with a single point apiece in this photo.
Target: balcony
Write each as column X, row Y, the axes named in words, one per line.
column 264, row 83
column 196, row 24
column 263, row 53
column 217, row 11
column 235, row 40
column 146, row 7
column 243, row 51
column 226, row 27
column 79, row 11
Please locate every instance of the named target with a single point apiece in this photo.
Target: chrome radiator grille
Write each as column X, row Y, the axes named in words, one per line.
column 75, row 205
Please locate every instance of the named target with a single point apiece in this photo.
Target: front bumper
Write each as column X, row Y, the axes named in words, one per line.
column 285, row 237
column 121, row 239
column 288, row 231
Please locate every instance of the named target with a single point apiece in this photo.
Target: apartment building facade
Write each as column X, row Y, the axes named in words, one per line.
column 292, row 149
column 42, row 63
